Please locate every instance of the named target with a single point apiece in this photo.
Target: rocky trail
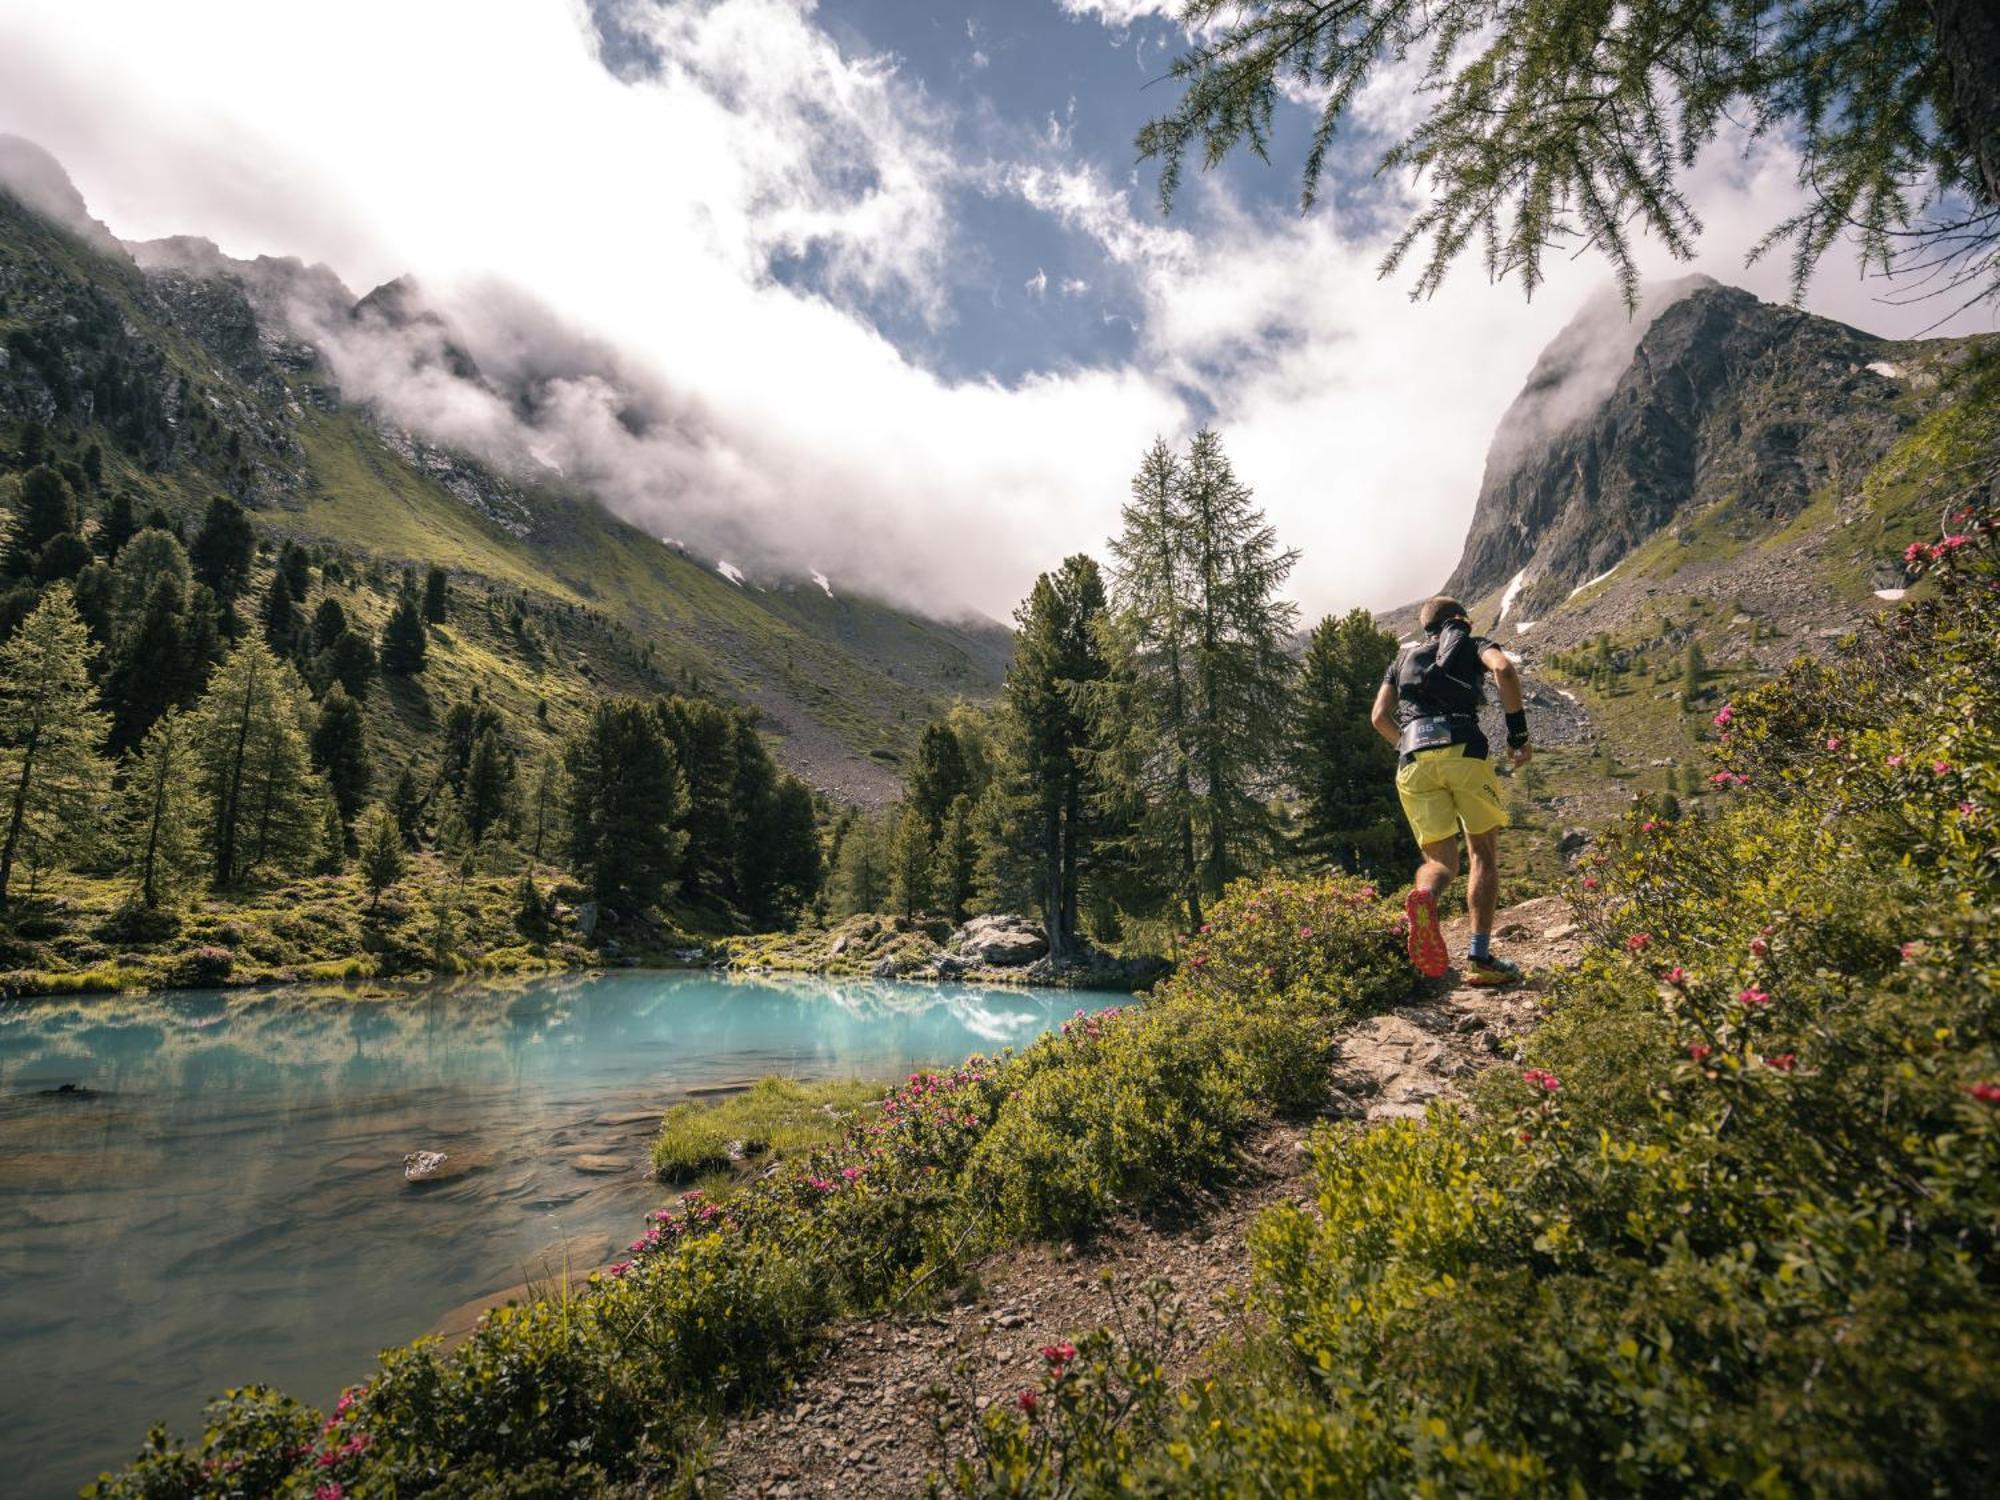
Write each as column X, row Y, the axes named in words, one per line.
column 863, row 1419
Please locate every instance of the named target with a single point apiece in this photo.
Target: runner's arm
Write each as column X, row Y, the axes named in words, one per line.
column 1508, row 680
column 1384, row 717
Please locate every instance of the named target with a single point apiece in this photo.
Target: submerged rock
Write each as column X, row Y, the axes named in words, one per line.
column 598, row 1165
column 425, row 1167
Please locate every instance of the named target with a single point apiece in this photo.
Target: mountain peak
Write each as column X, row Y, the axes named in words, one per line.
column 38, row 180
column 1704, row 394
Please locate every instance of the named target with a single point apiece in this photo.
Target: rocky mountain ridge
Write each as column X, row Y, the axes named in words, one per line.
column 196, row 373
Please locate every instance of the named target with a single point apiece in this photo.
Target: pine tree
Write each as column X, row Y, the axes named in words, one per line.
column 489, row 786
column 381, row 853
column 329, row 622
column 861, row 872
column 280, row 617
column 117, row 526
column 1043, row 812
column 50, row 728
column 1693, row 671
column 625, row 795
column 224, row 550
column 910, row 862
column 938, row 776
column 703, row 735
column 330, row 856
column 955, row 860
column 436, row 596
column 253, row 766
column 406, row 806
column 403, row 640
column 45, row 510
column 164, row 814
column 33, row 451
column 531, row 909
column 340, row 751
column 295, row 567
column 1203, row 729
column 1581, row 126
column 791, row 833
column 544, row 802
column 350, row 661
column 1342, row 770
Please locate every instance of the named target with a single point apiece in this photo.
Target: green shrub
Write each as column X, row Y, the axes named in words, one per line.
column 1735, row 1225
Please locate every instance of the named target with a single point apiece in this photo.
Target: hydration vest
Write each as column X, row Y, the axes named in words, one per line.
column 1442, row 675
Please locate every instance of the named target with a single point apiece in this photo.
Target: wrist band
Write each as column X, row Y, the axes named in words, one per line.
column 1517, row 729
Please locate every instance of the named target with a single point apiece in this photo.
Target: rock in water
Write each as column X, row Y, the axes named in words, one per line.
column 1004, row 942
column 423, row 1166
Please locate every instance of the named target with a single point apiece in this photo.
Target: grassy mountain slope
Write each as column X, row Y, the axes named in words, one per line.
column 188, row 393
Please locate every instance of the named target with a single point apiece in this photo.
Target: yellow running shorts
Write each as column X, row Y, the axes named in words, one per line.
column 1443, row 788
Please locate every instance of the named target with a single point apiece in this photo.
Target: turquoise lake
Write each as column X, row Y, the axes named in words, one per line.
column 220, row 1198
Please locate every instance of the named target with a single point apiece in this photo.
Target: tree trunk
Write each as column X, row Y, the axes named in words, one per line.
column 1968, row 41
column 1052, row 879
column 19, row 815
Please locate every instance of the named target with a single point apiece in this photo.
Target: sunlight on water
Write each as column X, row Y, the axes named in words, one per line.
column 220, row 1198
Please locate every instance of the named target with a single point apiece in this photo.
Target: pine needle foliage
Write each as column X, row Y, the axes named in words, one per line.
column 1572, row 124
column 53, row 778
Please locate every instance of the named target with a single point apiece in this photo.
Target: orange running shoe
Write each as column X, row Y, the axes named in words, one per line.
column 1427, row 950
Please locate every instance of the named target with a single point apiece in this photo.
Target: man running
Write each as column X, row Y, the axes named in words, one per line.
column 1428, row 708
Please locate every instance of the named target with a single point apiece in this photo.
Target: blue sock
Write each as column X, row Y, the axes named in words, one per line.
column 1481, row 946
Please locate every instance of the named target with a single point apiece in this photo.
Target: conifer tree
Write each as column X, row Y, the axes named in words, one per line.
column 1342, row 770
column 45, row 509
column 704, row 735
column 625, row 795
column 51, row 775
column 938, row 776
column 531, row 909
column 1545, row 128
column 437, row 596
column 406, row 805
column 330, row 856
column 791, row 834
column 62, row 558
column 910, row 862
column 955, row 860
column 223, row 550
column 253, row 766
column 403, row 639
column 350, row 661
column 489, row 786
column 117, row 526
column 1205, row 725
column 381, row 853
column 543, row 804
column 280, row 617
column 1058, row 660
column 329, row 621
column 1693, row 670
column 340, row 751
column 861, row 875
column 295, row 567
column 164, row 814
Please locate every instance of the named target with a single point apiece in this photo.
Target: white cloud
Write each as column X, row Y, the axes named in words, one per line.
column 621, row 235
column 1037, row 285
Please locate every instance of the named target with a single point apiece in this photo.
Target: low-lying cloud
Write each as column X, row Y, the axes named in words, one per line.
column 606, row 241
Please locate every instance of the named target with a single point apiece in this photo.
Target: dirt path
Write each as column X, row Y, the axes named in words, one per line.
column 861, row 1420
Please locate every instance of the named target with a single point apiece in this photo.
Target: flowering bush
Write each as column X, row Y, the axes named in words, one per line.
column 1128, row 1108
column 1735, row 1224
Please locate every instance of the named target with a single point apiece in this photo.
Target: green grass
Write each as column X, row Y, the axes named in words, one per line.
column 775, row 1118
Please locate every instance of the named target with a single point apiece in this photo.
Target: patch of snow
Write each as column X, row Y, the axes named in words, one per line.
column 1507, row 599
column 1591, row 583
column 1525, row 626
column 730, row 571
column 1892, row 595
column 1567, row 694
column 820, row 579
column 1887, row 368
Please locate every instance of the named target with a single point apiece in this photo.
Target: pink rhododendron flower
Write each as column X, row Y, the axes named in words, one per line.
column 1699, row 1051
column 1590, row 882
column 1723, row 715
column 1305, row 933
column 1637, row 941
column 1759, row 947
column 1676, row 976
column 1914, row 553
column 1910, row 951
column 1784, row 1062
column 1027, row 1401
column 1895, row 760
column 1833, row 742
column 1059, row 1354
column 1752, row 998
column 334, row 1491
column 1985, row 1093
column 1939, row 767
column 1648, row 826
column 1541, row 1079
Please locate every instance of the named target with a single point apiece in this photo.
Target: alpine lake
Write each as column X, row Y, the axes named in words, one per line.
column 201, row 1189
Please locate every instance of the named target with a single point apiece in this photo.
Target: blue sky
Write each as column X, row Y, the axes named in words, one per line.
column 889, row 269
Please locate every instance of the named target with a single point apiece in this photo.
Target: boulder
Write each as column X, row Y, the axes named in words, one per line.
column 886, row 969
column 1003, row 942
column 422, row 1168
column 947, row 966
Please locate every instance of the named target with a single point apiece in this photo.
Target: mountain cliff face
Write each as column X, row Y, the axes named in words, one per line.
column 1726, row 407
column 192, row 373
